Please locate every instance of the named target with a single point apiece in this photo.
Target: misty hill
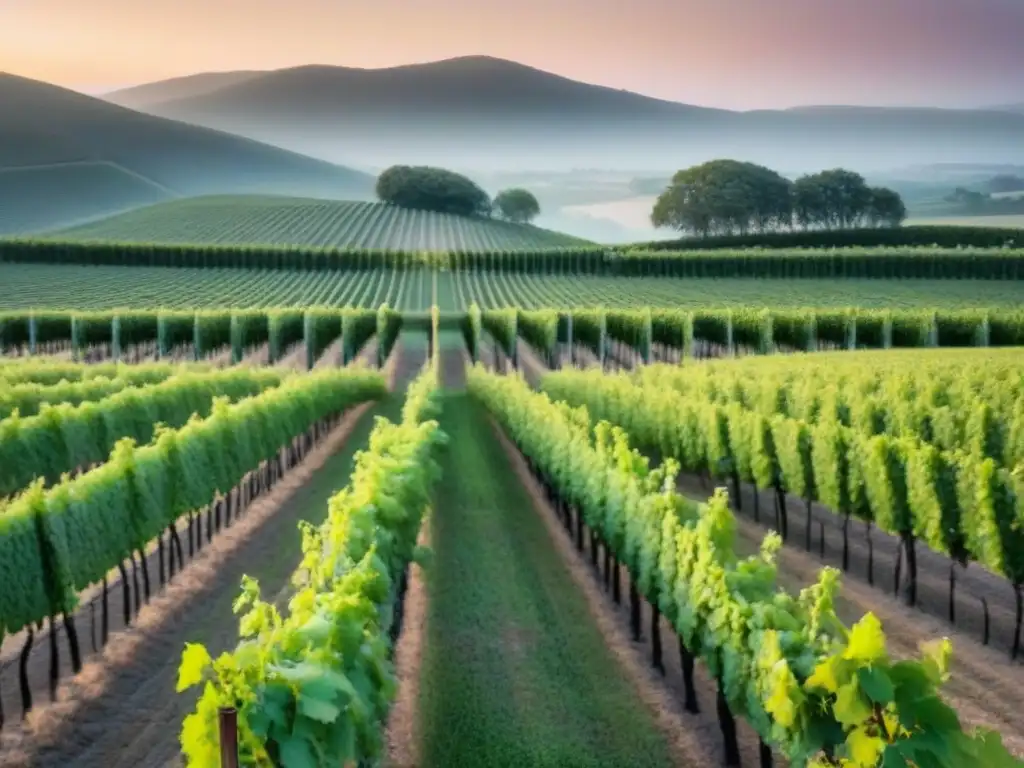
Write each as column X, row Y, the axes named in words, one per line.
column 66, row 157
column 146, row 95
column 266, row 220
column 479, row 112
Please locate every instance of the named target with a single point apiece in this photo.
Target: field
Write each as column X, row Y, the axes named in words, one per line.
column 402, row 555
column 87, row 288
column 307, row 222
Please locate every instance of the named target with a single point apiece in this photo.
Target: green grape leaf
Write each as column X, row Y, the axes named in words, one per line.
column 867, row 641
column 318, row 709
column 863, row 748
column 911, row 682
column 892, row 758
column 297, row 752
column 316, row 630
column 195, row 660
column 824, row 676
column 850, row 708
column 992, row 753
column 932, row 713
column 275, row 701
column 876, row 684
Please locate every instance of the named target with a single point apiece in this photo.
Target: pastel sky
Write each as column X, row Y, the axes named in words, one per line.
column 742, row 54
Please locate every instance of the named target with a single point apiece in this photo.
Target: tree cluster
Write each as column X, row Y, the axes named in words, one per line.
column 432, row 189
column 443, row 191
column 727, row 197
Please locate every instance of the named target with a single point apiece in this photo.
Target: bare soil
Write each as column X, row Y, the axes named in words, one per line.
column 403, row 737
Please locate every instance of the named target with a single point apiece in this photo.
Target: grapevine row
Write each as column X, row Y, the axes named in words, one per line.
column 56, row 542
column 818, row 692
column 931, row 263
column 958, row 503
column 314, row 686
column 64, row 438
column 26, row 395
column 964, row 399
column 206, row 331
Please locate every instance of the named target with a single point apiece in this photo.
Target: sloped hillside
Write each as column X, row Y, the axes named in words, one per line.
column 54, row 141
column 310, row 222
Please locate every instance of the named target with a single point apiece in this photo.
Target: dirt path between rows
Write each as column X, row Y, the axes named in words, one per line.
column 403, row 729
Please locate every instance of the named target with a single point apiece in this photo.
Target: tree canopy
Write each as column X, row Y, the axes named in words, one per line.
column 732, row 197
column 432, row 189
column 518, row 205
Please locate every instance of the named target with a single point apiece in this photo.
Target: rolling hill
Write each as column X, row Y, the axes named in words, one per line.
column 479, row 112
column 66, row 157
column 259, row 220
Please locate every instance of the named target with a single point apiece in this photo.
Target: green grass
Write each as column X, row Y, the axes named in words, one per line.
column 515, row 672
column 42, row 286
column 252, row 219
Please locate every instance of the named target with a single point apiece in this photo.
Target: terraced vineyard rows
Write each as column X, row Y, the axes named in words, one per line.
column 309, row 222
column 107, row 287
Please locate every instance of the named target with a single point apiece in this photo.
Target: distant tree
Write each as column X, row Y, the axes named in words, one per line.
column 1005, row 183
column 518, row 205
column 837, row 199
column 432, row 189
column 724, row 197
column 886, row 208
column 810, row 208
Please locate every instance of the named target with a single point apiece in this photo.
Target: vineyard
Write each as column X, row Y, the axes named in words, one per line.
column 415, row 290
column 285, row 221
column 647, row 539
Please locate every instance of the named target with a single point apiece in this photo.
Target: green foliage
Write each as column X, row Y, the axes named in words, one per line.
column 249, row 328
column 502, row 324
column 724, row 196
column 820, row 693
column 314, row 686
column 63, row 437
column 539, row 329
column 389, row 322
column 517, row 205
column 322, row 328
column 432, row 189
column 357, row 327
column 472, row 326
column 285, row 327
column 923, row 444
column 173, row 329
column 56, row 542
column 213, row 331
